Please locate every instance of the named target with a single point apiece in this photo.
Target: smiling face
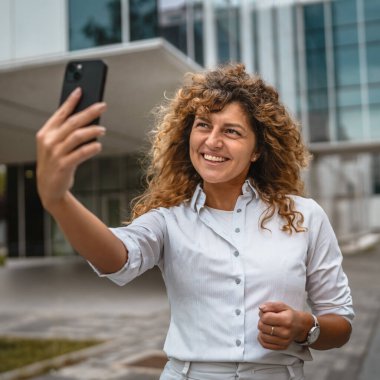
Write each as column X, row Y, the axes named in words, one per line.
column 223, row 146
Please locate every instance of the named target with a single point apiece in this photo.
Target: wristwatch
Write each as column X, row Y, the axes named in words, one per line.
column 313, row 333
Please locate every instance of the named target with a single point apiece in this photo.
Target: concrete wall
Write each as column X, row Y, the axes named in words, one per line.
column 32, row 28
column 342, row 185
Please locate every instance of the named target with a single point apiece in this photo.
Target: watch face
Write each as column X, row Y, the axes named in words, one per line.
column 313, row 335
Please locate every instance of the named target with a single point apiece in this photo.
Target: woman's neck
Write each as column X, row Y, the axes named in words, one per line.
column 222, row 196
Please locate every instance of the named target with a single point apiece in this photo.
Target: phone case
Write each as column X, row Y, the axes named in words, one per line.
column 90, row 76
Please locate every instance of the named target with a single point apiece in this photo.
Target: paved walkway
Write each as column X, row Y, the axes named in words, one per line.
column 65, row 298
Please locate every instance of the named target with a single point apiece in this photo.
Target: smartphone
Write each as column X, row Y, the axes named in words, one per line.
column 90, row 76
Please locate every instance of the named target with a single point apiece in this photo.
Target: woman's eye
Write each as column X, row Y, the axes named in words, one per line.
column 202, row 125
column 232, row 131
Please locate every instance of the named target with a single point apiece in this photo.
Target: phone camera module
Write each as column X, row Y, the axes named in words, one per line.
column 74, row 72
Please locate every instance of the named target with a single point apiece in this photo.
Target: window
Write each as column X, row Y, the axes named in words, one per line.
column 143, row 19
column 172, row 22
column 316, row 66
column 344, row 12
column 349, row 123
column 94, row 23
column 347, row 66
column 227, row 31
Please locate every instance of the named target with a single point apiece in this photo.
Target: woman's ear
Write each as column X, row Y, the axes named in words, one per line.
column 255, row 156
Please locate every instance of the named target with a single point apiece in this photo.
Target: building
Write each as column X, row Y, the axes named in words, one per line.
column 322, row 55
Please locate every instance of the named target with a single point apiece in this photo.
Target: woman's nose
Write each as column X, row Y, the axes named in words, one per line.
column 214, row 140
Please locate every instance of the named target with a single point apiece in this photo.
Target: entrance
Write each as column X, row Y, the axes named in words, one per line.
column 24, row 213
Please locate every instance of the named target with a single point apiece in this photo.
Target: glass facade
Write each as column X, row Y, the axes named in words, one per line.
column 343, row 75
column 372, row 39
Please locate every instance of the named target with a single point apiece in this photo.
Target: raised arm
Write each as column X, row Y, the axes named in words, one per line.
column 59, row 152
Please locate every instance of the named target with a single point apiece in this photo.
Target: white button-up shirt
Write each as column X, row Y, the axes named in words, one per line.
column 216, row 277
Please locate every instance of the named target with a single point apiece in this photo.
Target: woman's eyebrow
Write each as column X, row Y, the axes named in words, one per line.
column 233, row 125
column 202, row 117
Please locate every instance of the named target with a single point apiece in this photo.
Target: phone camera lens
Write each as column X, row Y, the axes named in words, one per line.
column 74, row 72
column 77, row 75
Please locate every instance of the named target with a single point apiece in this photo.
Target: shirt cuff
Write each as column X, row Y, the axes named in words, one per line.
column 130, row 269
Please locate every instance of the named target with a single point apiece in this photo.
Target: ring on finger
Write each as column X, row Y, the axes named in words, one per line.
column 272, row 330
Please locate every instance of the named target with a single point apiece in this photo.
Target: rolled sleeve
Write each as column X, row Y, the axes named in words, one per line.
column 327, row 284
column 143, row 239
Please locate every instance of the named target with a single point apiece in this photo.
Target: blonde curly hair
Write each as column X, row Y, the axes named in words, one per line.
column 170, row 175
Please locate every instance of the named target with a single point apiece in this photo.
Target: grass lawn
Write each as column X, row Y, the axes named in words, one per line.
column 19, row 352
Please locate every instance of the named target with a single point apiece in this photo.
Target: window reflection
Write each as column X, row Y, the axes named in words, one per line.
column 94, row 23
column 316, row 67
column 350, row 96
column 346, row 35
column 347, row 65
column 143, row 19
column 181, row 23
column 372, row 10
column 372, row 31
column 373, row 62
column 227, row 31
column 349, row 123
column 172, row 21
column 374, row 112
column 344, row 12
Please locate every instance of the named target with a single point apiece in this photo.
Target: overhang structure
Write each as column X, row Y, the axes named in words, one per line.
column 140, row 75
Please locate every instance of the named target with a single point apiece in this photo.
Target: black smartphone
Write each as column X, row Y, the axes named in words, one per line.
column 90, row 76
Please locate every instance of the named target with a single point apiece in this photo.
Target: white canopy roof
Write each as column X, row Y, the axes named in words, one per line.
column 139, row 76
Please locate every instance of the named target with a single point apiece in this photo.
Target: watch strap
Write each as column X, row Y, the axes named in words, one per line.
column 307, row 342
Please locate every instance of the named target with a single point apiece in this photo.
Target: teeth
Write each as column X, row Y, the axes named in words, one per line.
column 208, row 157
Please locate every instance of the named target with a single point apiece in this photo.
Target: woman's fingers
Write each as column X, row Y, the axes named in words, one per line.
column 64, row 111
column 81, row 154
column 272, row 345
column 79, row 120
column 276, row 327
column 79, row 137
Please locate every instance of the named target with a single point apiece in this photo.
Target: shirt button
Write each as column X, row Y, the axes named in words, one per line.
column 236, row 253
column 237, row 312
column 237, row 281
column 238, row 210
column 237, row 229
column 238, row 342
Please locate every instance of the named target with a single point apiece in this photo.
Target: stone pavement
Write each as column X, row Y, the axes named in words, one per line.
column 66, row 299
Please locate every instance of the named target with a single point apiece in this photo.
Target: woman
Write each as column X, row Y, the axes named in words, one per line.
column 223, row 217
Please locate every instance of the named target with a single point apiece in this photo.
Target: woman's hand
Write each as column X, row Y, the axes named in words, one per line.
column 280, row 325
column 58, row 148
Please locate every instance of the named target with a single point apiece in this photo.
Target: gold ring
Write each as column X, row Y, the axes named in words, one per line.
column 272, row 331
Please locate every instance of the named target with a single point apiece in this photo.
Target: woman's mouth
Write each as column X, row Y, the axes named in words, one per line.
column 212, row 158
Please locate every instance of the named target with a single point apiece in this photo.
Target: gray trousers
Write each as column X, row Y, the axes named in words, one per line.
column 180, row 370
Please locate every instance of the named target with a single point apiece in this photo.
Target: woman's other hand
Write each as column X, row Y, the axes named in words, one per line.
column 280, row 325
column 59, row 149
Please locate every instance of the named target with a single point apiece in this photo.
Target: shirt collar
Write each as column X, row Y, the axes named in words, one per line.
column 199, row 197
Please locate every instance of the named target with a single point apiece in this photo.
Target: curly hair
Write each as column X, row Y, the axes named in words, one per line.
column 170, row 175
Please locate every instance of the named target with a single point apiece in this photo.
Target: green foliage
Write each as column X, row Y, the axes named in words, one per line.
column 19, row 352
